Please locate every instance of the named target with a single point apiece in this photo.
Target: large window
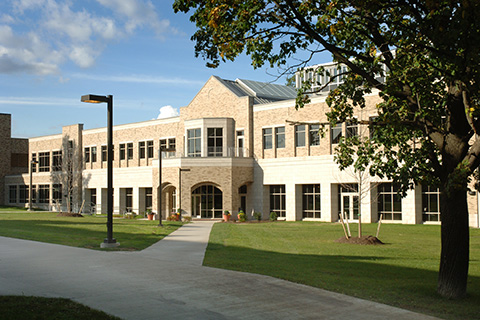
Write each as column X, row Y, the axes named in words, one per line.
column 148, row 198
column 129, row 199
column 277, row 200
column 104, row 153
column 57, row 161
column 430, row 204
column 23, row 194
column 280, row 137
column 94, row 154
column 141, row 150
column 43, row 193
column 389, row 202
column 150, row 149
column 194, row 143
column 44, row 161
column 57, row 193
column 215, row 142
column 122, row 151
column 336, row 133
column 267, row 138
column 351, row 129
column 300, row 135
column 12, row 197
column 130, row 151
column 87, row 154
column 207, row 201
column 311, row 201
column 314, row 134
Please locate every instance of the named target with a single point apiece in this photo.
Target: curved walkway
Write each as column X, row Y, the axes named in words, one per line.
column 168, row 281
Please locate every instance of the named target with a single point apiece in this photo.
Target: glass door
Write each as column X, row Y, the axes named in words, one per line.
column 349, row 206
column 196, row 205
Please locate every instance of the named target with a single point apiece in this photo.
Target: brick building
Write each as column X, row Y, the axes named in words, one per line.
column 232, row 148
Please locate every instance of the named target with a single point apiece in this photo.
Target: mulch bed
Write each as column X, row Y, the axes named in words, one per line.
column 69, row 214
column 364, row 240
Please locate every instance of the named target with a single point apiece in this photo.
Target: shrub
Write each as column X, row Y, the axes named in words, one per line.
column 242, row 217
column 187, row 219
column 257, row 215
column 273, row 216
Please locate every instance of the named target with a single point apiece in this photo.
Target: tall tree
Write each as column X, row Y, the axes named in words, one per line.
column 430, row 93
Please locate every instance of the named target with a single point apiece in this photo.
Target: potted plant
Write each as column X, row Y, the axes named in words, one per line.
column 242, row 217
column 178, row 215
column 150, row 214
column 226, row 215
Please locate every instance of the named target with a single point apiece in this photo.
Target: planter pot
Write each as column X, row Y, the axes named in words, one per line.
column 226, row 217
column 150, row 216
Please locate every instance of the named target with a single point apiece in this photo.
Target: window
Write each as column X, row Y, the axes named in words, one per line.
column 150, row 149
column 57, row 161
column 171, row 143
column 207, row 202
column 371, row 126
column 87, row 154
column 267, row 138
column 148, row 198
column 280, row 137
column 163, row 144
column 430, row 204
column 336, row 133
column 12, row 196
column 141, row 150
column 23, row 194
column 57, row 193
column 34, row 164
column 130, row 151
column 300, row 136
column 389, row 202
column 351, row 129
column 104, row 153
column 94, row 154
column 122, row 151
column 44, row 161
column 129, row 199
column 311, row 201
column 277, row 200
column 194, row 143
column 314, row 134
column 43, row 193
column 215, row 142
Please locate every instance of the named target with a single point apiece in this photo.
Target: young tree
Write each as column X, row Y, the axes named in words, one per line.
column 66, row 173
column 430, row 93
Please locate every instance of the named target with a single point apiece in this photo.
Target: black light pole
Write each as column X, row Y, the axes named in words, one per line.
column 109, row 242
column 30, row 190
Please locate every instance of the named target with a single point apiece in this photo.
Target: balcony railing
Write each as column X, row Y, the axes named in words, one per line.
column 214, row 152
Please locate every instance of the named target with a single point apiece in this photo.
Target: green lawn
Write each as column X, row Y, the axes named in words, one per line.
column 21, row 307
column 86, row 232
column 402, row 273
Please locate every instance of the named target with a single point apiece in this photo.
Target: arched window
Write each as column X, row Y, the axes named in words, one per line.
column 207, row 202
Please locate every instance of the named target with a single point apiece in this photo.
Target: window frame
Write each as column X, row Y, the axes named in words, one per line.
column 280, row 137
column 267, row 138
column 300, row 136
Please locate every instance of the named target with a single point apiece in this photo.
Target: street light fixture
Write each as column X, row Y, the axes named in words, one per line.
column 159, row 193
column 30, row 190
column 109, row 242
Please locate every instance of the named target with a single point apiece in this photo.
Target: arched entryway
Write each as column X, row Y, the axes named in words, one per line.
column 207, row 202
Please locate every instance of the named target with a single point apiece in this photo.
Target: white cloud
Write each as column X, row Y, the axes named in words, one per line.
column 138, row 78
column 37, row 36
column 167, row 112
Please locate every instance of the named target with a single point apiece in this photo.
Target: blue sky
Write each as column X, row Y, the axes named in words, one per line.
column 54, row 51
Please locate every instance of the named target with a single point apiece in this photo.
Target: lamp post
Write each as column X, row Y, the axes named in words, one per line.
column 109, row 242
column 30, row 190
column 180, row 170
column 159, row 193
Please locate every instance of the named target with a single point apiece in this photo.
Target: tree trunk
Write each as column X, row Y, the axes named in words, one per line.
column 454, row 259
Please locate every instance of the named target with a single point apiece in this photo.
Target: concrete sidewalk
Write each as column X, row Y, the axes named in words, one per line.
column 168, row 281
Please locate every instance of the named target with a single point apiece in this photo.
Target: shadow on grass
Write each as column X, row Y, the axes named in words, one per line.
column 77, row 232
column 374, row 278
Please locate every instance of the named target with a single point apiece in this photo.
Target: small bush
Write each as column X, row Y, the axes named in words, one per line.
column 273, row 216
column 242, row 217
column 257, row 215
column 186, row 219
